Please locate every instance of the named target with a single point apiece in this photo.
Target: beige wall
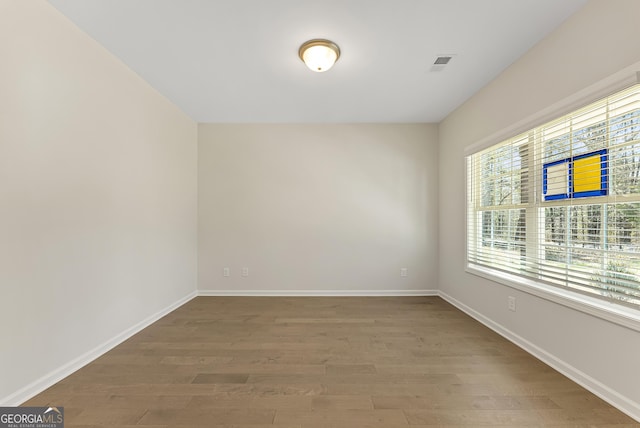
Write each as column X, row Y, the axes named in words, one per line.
column 596, row 42
column 317, row 208
column 97, row 197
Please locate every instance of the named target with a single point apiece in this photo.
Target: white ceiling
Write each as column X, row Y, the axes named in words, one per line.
column 236, row 60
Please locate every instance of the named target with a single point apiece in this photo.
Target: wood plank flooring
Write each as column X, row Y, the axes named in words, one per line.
column 316, row 362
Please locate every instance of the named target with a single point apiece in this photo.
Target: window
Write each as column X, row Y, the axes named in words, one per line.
column 560, row 203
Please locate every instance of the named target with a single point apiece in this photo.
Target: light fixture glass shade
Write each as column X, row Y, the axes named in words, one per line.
column 319, row 54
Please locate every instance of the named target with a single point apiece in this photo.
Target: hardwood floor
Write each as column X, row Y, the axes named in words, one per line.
column 315, row 362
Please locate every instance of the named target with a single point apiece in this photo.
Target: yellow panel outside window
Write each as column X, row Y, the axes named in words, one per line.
column 587, row 174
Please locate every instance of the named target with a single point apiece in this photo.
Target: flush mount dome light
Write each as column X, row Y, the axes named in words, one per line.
column 319, row 54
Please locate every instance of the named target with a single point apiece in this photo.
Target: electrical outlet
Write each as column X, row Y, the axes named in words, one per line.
column 511, row 303
column 226, row 272
column 404, row 272
column 245, row 271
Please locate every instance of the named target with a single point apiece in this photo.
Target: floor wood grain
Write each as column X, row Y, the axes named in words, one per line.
column 316, row 362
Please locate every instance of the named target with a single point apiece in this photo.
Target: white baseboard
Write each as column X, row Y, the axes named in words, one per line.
column 60, row 373
column 327, row 293
column 624, row 404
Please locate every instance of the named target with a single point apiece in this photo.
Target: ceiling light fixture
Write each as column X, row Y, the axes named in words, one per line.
column 319, row 54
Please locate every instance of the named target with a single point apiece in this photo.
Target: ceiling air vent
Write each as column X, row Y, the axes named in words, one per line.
column 440, row 62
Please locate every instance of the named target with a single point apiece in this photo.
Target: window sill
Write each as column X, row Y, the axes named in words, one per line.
column 618, row 314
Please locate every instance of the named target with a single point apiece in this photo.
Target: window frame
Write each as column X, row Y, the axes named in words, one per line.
column 624, row 315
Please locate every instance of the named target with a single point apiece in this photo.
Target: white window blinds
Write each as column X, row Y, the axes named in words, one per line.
column 561, row 203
